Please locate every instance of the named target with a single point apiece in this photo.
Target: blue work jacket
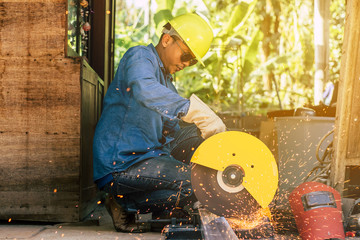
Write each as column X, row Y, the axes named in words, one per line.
column 141, row 111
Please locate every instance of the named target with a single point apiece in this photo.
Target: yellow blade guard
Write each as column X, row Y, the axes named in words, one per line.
column 248, row 152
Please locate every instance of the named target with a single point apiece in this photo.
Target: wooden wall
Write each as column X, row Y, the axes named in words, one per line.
column 347, row 130
column 40, row 114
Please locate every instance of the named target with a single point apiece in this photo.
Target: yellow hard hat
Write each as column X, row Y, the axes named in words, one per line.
column 195, row 32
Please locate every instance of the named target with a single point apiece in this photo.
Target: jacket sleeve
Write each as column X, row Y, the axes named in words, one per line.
column 140, row 70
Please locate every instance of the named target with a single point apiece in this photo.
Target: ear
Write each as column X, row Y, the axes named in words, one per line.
column 166, row 40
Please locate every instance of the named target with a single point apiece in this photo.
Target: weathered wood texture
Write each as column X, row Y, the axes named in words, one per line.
column 33, row 28
column 91, row 92
column 347, row 137
column 44, row 173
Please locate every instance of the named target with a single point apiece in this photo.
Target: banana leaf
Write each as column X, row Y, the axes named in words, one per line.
column 251, row 54
column 165, row 4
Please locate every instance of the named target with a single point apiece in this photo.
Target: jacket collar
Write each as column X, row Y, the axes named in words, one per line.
column 161, row 65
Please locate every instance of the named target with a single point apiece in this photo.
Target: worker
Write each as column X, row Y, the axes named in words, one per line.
column 141, row 155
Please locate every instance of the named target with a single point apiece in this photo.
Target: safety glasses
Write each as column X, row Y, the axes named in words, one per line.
column 186, row 56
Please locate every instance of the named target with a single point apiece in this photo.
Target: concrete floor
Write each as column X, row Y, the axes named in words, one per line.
column 80, row 232
column 97, row 226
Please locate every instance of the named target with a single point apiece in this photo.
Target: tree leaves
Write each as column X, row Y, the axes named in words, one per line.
column 236, row 50
column 251, row 54
column 165, row 4
column 237, row 19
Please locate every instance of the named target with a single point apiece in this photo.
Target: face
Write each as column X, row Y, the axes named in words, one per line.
column 173, row 54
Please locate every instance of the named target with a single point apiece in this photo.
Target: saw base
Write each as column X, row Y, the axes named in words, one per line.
column 208, row 226
column 179, row 230
column 264, row 231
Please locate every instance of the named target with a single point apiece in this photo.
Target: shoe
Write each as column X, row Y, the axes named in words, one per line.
column 123, row 221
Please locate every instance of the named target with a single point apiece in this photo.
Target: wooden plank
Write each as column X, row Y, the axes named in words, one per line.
column 41, row 96
column 46, row 172
column 89, row 108
column 354, row 123
column 40, row 138
column 39, row 163
column 40, row 206
column 345, row 135
column 352, row 162
column 32, row 28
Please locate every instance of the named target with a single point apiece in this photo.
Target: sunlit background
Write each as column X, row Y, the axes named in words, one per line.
column 262, row 57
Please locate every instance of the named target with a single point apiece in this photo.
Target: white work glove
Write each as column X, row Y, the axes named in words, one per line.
column 204, row 118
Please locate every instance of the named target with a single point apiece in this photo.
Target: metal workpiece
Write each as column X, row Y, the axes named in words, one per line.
column 215, row 227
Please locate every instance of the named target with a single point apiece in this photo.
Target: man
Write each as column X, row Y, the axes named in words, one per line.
column 141, row 156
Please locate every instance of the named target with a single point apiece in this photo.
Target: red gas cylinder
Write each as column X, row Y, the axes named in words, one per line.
column 317, row 211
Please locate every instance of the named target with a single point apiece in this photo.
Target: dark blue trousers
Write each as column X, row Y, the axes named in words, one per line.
column 159, row 183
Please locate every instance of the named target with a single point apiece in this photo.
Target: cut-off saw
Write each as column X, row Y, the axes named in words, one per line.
column 234, row 176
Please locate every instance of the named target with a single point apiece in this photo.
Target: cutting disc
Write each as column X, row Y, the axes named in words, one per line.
column 233, row 174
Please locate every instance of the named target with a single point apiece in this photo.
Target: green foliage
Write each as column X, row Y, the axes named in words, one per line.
column 251, row 54
column 337, row 10
column 165, row 4
column 233, row 79
column 162, row 16
column 236, row 17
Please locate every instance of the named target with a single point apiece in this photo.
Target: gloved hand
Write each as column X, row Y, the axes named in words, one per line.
column 203, row 117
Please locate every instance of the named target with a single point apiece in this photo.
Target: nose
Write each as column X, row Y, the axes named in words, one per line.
column 186, row 64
